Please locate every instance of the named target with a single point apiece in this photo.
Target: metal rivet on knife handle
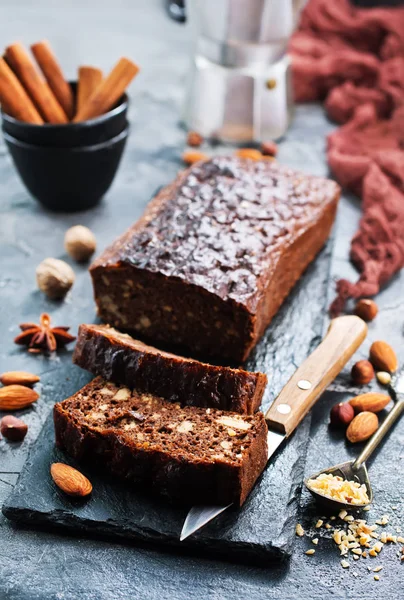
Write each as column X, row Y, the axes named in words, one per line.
column 304, row 384
column 284, row 409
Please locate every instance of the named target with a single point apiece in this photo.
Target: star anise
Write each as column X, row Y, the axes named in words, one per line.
column 43, row 337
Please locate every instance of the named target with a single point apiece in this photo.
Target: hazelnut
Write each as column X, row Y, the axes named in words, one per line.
column 80, row 243
column 341, row 414
column 362, row 372
column 194, row 139
column 54, row 277
column 13, row 429
column 366, row 309
column 269, row 148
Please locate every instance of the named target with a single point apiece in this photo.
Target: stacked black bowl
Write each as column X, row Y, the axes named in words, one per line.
column 69, row 167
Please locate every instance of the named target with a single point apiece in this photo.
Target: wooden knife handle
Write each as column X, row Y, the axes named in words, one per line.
column 344, row 336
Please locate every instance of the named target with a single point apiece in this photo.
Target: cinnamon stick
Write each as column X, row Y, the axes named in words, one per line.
column 38, row 90
column 89, row 79
column 54, row 76
column 109, row 91
column 14, row 98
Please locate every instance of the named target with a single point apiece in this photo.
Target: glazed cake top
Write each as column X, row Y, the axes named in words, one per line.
column 222, row 224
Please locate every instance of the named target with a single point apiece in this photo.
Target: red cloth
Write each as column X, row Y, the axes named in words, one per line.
column 353, row 60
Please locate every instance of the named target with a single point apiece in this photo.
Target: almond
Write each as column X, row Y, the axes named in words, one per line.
column 18, row 378
column 371, row 402
column 13, row 429
column 70, row 481
column 383, row 357
column 15, row 397
column 192, row 156
column 362, row 427
column 251, row 153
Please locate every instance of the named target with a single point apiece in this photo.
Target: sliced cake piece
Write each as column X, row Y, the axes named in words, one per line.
column 214, row 255
column 118, row 357
column 189, row 454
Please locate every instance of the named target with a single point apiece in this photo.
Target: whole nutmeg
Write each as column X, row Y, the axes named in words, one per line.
column 341, row 414
column 366, row 309
column 80, row 243
column 362, row 372
column 13, row 429
column 54, row 277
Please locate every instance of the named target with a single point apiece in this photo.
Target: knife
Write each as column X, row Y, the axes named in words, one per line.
column 343, row 338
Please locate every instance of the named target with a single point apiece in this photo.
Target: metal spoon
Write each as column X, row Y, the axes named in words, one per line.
column 356, row 470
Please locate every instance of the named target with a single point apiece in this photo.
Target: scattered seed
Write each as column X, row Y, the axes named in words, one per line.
column 377, row 569
column 319, row 523
column 299, row 530
column 383, row 521
column 376, row 577
column 310, row 552
column 344, row 564
column 315, row 541
column 342, row 514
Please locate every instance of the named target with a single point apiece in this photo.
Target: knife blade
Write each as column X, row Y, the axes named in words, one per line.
column 343, row 338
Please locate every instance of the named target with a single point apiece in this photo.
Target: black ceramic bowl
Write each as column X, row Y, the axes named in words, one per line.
column 86, row 133
column 67, row 179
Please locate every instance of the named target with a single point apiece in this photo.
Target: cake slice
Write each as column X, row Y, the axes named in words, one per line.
column 214, row 255
column 118, row 357
column 191, row 455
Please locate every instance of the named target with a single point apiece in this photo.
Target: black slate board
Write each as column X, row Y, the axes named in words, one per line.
column 263, row 529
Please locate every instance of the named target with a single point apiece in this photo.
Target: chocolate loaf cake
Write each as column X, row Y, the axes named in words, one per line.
column 118, row 357
column 191, row 455
column 214, row 255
